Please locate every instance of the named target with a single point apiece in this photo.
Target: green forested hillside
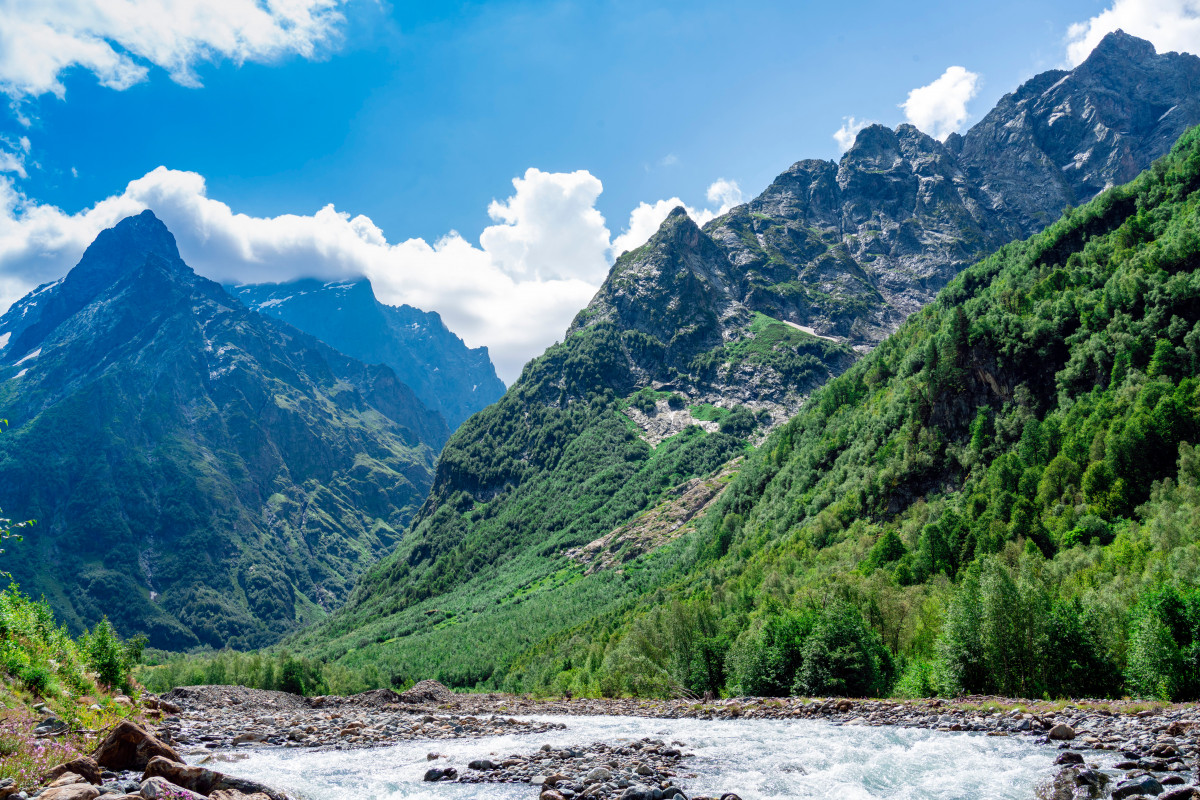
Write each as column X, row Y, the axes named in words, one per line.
column 1002, row 497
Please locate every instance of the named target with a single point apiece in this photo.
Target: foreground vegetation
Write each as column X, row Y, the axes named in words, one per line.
column 45, row 672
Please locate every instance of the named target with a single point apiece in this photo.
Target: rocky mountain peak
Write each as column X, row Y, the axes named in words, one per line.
column 122, row 248
column 677, row 228
column 873, row 143
column 1118, row 49
column 115, row 254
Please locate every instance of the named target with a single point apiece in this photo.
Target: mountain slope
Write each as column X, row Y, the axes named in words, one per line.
column 447, row 376
column 198, row 472
column 740, row 321
column 1006, row 487
column 558, row 462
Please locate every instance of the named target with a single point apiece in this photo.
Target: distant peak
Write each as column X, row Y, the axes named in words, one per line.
column 677, row 211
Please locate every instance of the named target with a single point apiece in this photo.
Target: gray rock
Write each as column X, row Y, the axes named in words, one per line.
column 598, row 775
column 1139, row 786
column 441, row 774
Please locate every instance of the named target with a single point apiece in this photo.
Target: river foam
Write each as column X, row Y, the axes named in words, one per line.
column 755, row 758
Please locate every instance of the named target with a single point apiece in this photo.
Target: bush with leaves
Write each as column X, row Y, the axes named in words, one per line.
column 112, row 659
column 843, row 656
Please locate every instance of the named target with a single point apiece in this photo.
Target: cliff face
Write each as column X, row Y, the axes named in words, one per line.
column 198, row 472
column 852, row 248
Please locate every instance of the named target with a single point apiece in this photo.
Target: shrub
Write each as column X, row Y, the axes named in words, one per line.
column 111, row 659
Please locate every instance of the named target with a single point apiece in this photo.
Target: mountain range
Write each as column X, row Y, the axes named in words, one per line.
column 198, row 471
column 700, row 342
column 231, row 465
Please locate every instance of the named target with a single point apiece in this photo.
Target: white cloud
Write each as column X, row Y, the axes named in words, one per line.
column 846, row 134
column 13, row 162
column 516, row 291
column 647, row 217
column 550, row 229
column 940, row 108
column 1168, row 24
column 118, row 40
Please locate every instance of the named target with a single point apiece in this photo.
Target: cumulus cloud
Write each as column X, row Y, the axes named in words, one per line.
column 1168, row 24
column 550, row 228
column 647, row 217
column 118, row 40
column 940, row 108
column 846, row 134
column 515, row 291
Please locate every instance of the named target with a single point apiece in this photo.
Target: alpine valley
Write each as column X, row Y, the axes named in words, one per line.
column 919, row 421
column 633, row 518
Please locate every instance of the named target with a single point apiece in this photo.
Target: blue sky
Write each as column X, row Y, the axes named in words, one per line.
column 419, row 115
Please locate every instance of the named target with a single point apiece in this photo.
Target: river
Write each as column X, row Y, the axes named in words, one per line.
column 754, row 758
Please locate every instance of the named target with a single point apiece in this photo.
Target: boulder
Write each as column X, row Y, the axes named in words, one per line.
column 234, row 794
column 550, row 794
column 249, row 736
column 86, row 766
column 162, row 789
column 1069, row 757
column 441, row 774
column 1062, row 732
column 50, row 726
column 598, row 775
column 74, row 791
column 482, row 765
column 205, row 781
column 129, row 747
column 1186, row 793
column 1138, row 787
column 67, row 779
column 8, row 787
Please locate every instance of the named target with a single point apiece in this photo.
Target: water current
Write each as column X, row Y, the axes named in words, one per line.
column 754, row 758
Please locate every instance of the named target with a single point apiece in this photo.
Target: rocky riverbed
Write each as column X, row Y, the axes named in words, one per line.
column 1103, row 749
